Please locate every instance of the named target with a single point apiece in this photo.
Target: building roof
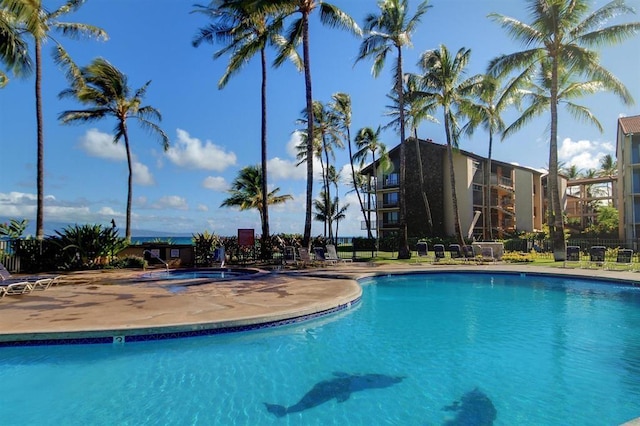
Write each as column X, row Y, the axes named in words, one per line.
column 629, row 125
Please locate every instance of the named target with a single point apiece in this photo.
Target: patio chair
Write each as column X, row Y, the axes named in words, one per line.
column 438, row 250
column 572, row 256
column 455, row 252
column 468, row 253
column 4, row 273
column 305, row 257
column 18, row 288
column 44, row 283
column 624, row 259
column 596, row 256
column 422, row 250
column 289, row 256
column 332, row 254
column 318, row 252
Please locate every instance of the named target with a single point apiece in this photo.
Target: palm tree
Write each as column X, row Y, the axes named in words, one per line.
column 487, row 113
column 13, row 48
column 298, row 33
column 246, row 31
column 608, row 167
column 246, row 192
column 368, row 142
column 442, row 85
column 37, row 21
column 561, row 36
column 105, row 91
column 388, row 31
column 415, row 112
column 341, row 107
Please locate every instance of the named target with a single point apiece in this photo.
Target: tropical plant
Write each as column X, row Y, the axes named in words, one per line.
column 13, row 229
column 368, row 142
column 37, row 21
column 204, row 245
column 106, row 93
column 297, row 33
column 246, row 191
column 13, row 48
column 561, row 38
column 442, row 85
column 246, row 31
column 388, row 31
column 88, row 246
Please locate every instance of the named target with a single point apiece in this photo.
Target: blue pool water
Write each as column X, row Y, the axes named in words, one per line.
column 189, row 274
column 433, row 349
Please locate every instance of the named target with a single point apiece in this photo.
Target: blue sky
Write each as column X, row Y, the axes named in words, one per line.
column 214, row 133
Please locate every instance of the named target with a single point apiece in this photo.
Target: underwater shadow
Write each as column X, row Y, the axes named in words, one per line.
column 473, row 409
column 339, row 388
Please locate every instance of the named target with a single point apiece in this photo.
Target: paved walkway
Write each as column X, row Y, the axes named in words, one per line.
column 109, row 303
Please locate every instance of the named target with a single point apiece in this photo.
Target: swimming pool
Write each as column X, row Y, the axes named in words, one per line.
column 190, row 274
column 420, row 349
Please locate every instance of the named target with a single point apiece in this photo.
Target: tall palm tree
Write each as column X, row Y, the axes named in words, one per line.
column 391, row 30
column 246, row 192
column 297, row 33
column 106, row 93
column 368, row 142
column 38, row 22
column 415, row 112
column 13, row 48
column 246, row 31
column 341, row 107
column 442, row 84
column 487, row 112
column 562, row 34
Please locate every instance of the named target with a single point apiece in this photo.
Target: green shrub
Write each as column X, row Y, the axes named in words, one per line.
column 517, row 257
column 130, row 262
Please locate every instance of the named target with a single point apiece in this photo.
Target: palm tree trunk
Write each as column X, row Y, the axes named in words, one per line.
column 265, row 246
column 129, row 184
column 403, row 243
column 306, row 238
column 556, row 229
column 423, row 192
column 327, row 186
column 487, row 174
column 355, row 187
column 454, row 197
column 40, row 142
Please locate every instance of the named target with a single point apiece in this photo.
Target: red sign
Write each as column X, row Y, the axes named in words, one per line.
column 246, row 237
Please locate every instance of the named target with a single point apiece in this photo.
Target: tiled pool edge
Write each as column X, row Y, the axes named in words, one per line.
column 120, row 336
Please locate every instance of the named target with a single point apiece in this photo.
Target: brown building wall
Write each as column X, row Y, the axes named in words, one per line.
column 433, row 162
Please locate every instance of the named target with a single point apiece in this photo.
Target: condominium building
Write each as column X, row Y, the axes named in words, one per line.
column 628, row 157
column 516, row 202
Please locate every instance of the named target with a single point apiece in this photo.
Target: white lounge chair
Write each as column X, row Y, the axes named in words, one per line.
column 332, row 254
column 18, row 287
column 4, row 274
column 44, row 283
column 320, row 256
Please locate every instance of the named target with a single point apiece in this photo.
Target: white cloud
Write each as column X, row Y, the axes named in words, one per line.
column 202, row 208
column 584, row 154
column 141, row 174
column 98, row 144
column 193, row 153
column 215, row 183
column 285, row 170
column 292, row 144
column 171, row 202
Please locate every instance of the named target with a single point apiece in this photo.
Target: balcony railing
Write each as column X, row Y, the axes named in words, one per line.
column 363, row 225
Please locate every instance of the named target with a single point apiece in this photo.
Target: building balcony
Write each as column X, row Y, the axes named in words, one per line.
column 363, row 225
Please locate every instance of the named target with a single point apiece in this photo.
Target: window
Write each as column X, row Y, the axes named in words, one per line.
column 391, row 218
column 390, row 199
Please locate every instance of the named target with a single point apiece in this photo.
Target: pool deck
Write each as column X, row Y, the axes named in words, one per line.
column 116, row 303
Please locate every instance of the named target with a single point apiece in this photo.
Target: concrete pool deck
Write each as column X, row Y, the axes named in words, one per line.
column 110, row 304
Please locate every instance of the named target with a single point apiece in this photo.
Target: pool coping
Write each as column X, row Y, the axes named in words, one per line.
column 343, row 279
